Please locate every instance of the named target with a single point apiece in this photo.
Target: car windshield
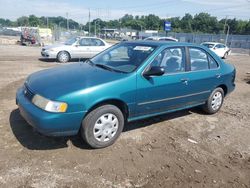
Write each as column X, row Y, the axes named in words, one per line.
column 71, row 41
column 208, row 45
column 123, row 57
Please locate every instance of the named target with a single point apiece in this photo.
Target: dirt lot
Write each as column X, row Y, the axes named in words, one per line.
column 155, row 152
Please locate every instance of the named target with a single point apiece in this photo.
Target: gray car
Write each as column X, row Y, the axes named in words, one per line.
column 77, row 47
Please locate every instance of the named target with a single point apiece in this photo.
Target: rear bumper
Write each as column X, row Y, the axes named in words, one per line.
column 51, row 124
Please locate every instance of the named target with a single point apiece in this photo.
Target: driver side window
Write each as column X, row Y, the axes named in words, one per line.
column 171, row 59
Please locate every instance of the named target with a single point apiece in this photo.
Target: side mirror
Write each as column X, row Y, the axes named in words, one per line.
column 76, row 45
column 154, row 71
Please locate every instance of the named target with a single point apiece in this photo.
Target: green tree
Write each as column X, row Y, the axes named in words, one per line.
column 186, row 23
column 205, row 23
column 34, row 21
column 152, row 22
column 23, row 21
column 247, row 29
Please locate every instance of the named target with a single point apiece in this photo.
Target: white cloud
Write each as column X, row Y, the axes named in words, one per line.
column 219, row 2
column 221, row 8
column 16, row 8
column 12, row 9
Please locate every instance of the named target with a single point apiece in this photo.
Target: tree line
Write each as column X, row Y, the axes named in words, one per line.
column 199, row 23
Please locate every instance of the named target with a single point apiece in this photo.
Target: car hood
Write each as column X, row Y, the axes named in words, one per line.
column 57, row 82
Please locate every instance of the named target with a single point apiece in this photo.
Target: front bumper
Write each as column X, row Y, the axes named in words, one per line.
column 48, row 54
column 51, row 124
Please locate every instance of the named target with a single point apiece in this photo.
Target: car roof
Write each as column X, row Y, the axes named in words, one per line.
column 158, row 37
column 211, row 43
column 162, row 43
column 88, row 37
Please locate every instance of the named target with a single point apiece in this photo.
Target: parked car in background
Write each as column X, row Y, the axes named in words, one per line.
column 220, row 49
column 77, row 47
column 170, row 39
column 127, row 82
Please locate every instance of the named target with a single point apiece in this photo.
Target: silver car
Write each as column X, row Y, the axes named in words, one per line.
column 77, row 47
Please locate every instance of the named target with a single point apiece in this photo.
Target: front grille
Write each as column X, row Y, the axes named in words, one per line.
column 28, row 93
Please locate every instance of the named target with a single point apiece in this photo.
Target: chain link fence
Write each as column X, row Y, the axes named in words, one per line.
column 238, row 43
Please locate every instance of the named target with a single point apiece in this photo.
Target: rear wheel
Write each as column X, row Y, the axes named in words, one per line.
column 214, row 101
column 63, row 57
column 102, row 126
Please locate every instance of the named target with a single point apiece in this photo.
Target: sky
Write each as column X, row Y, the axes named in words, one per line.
column 78, row 10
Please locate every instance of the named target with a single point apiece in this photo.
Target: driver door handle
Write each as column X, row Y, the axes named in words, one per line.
column 218, row 75
column 185, row 80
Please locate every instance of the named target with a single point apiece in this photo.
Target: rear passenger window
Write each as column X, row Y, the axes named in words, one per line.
column 213, row 63
column 97, row 42
column 198, row 59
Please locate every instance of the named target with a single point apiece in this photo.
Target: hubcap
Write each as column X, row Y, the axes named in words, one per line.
column 63, row 57
column 216, row 101
column 106, row 127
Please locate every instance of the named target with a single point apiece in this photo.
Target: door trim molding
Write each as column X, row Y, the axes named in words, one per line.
column 172, row 98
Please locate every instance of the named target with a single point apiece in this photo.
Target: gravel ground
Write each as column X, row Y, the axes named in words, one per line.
column 183, row 149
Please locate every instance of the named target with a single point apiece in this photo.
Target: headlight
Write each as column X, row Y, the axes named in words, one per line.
column 50, row 50
column 48, row 105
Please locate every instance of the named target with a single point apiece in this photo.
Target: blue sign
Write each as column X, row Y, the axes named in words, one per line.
column 167, row 26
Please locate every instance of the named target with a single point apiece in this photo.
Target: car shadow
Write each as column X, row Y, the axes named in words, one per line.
column 157, row 119
column 33, row 140
column 55, row 61
column 47, row 60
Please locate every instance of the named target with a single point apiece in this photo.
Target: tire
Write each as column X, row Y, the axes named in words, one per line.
column 214, row 101
column 102, row 126
column 225, row 55
column 63, row 57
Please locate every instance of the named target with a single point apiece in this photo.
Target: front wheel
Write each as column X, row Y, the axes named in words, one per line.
column 102, row 126
column 214, row 101
column 63, row 57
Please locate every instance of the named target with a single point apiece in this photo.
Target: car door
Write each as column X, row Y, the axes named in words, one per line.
column 203, row 75
column 83, row 49
column 97, row 46
column 170, row 91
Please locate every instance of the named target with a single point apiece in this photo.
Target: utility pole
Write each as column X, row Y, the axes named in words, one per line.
column 67, row 15
column 224, row 30
column 225, row 25
column 89, row 23
column 227, row 34
column 95, row 28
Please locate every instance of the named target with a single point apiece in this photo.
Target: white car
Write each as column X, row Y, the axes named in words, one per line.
column 77, row 47
column 171, row 39
column 220, row 49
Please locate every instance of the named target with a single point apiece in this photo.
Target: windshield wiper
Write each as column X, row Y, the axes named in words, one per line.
column 89, row 62
column 104, row 67
column 109, row 68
